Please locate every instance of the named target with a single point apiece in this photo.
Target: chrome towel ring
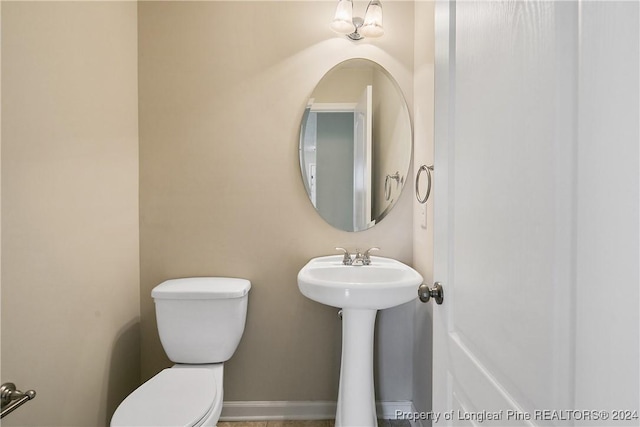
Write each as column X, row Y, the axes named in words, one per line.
column 427, row 169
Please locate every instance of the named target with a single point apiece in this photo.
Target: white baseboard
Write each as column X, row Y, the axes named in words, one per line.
column 300, row 410
column 277, row 410
column 388, row 410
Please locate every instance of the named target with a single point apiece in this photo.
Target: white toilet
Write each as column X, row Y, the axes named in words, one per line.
column 200, row 322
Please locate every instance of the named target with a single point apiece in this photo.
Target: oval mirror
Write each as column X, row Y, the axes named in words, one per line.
column 355, row 145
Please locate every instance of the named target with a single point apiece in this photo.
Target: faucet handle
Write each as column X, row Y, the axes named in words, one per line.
column 346, row 259
column 367, row 253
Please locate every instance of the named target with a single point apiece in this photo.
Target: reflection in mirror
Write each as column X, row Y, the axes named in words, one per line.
column 355, row 145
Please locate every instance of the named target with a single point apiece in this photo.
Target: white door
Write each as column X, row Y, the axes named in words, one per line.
column 362, row 150
column 536, row 213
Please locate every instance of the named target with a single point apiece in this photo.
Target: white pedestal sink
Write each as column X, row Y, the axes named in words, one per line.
column 360, row 291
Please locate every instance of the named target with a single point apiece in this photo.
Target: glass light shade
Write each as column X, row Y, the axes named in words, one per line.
column 372, row 26
column 343, row 20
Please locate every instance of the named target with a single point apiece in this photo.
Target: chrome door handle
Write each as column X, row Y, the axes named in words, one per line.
column 436, row 292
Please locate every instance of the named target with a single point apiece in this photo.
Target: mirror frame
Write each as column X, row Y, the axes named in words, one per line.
column 384, row 192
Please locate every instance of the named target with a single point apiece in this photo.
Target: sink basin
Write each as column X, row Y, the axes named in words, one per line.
column 360, row 291
column 383, row 284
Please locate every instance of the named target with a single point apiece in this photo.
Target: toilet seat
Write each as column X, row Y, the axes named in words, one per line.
column 174, row 397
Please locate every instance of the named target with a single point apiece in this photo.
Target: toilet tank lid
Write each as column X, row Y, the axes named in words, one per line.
column 202, row 288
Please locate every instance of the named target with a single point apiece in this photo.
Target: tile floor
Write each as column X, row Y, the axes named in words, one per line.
column 319, row 423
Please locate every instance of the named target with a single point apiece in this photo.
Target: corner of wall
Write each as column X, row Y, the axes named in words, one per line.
column 423, row 236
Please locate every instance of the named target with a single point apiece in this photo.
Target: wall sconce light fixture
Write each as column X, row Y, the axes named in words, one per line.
column 357, row 28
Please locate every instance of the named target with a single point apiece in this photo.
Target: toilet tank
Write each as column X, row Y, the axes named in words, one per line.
column 201, row 319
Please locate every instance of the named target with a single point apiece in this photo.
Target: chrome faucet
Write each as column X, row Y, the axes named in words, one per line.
column 367, row 255
column 359, row 258
column 346, row 259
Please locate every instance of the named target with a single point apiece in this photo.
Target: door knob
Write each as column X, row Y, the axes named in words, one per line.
column 436, row 292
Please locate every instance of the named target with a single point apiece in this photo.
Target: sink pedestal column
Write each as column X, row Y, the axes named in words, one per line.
column 356, row 397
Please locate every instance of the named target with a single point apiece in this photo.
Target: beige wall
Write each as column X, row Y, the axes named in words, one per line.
column 423, row 155
column 220, row 194
column 70, row 263
column 223, row 86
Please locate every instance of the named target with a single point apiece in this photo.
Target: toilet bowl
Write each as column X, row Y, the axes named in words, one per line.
column 178, row 396
column 200, row 323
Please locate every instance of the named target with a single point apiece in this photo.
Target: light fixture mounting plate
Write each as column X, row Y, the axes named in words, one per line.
column 357, row 22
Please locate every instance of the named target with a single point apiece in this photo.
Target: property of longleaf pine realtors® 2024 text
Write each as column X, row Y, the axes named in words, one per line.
column 513, row 415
